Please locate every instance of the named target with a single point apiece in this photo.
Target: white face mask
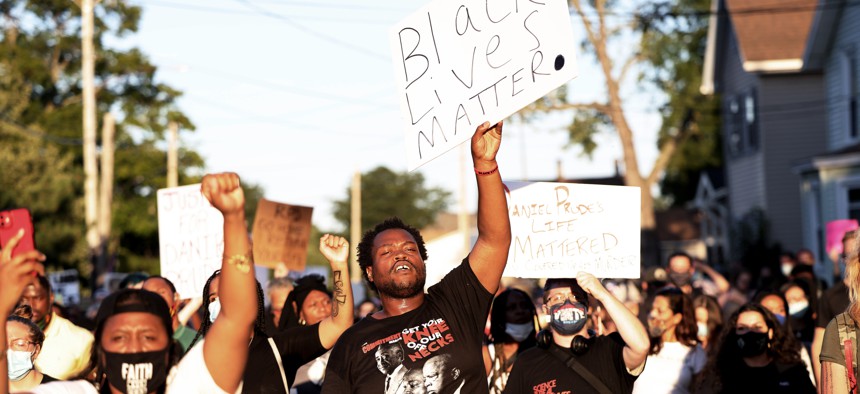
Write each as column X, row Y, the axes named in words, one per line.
column 702, row 330
column 20, row 363
column 798, row 308
column 214, row 309
column 786, row 269
column 519, row 332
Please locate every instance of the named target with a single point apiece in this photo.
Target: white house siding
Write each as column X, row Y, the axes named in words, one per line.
column 847, row 41
column 790, row 131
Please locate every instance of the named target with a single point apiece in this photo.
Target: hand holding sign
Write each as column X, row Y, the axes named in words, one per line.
column 591, row 285
column 225, row 193
column 336, row 250
column 485, row 145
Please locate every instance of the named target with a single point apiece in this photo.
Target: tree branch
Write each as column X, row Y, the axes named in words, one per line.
column 633, row 59
column 669, row 147
column 589, row 29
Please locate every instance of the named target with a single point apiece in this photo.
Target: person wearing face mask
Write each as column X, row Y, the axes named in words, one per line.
column 682, row 268
column 799, row 311
column 755, row 355
column 512, row 331
column 24, row 344
column 709, row 321
column 133, row 351
column 568, row 358
column 675, row 356
column 775, row 303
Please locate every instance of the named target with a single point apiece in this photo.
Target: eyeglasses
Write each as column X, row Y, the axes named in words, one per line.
column 22, row 345
column 559, row 298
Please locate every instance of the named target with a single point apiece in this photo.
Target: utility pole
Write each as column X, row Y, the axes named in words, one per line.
column 89, row 115
column 355, row 226
column 106, row 193
column 172, row 155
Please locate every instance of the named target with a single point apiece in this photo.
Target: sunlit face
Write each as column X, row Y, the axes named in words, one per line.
column 701, row 315
column 316, row 307
column 794, row 294
column 134, row 332
column 398, row 269
column 39, row 300
column 680, row 264
column 19, row 338
column 773, row 304
column 213, row 289
column 662, row 315
column 160, row 287
column 750, row 321
column 518, row 309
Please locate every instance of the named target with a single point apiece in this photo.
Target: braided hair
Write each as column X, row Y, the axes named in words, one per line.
column 259, row 322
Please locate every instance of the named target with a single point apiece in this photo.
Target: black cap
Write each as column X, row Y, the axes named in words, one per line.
column 577, row 291
column 134, row 300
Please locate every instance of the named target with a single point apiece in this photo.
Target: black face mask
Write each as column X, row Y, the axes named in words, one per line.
column 681, row 279
column 136, row 373
column 752, row 343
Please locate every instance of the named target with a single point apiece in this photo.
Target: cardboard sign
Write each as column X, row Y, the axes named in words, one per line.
column 458, row 64
column 281, row 234
column 560, row 229
column 836, row 229
column 190, row 238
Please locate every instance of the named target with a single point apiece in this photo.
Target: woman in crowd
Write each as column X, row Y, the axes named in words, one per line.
column 709, row 320
column 755, row 355
column 800, row 311
column 24, row 341
column 512, row 330
column 132, row 351
column 775, row 303
column 274, row 360
column 675, row 356
column 308, row 304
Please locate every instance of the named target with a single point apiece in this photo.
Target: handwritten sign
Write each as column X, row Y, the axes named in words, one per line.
column 281, row 234
column 190, row 238
column 460, row 63
column 835, row 230
column 560, row 229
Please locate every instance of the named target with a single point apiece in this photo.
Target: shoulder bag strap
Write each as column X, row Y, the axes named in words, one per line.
column 848, row 337
column 580, row 369
column 280, row 364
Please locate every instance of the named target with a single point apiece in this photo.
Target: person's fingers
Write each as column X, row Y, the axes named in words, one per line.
column 497, row 128
column 6, row 253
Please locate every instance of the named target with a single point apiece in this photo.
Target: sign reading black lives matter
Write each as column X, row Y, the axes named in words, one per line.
column 460, row 63
column 560, row 229
column 190, row 238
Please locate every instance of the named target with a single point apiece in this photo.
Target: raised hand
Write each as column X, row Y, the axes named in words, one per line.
column 591, row 285
column 335, row 249
column 485, row 145
column 224, row 191
column 17, row 272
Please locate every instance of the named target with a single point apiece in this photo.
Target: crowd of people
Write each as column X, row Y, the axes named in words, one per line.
column 683, row 327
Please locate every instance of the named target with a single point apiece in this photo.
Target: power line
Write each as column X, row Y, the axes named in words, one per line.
column 331, row 39
column 191, row 7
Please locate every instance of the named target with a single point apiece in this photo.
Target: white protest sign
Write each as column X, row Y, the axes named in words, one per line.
column 190, row 238
column 560, row 229
column 460, row 63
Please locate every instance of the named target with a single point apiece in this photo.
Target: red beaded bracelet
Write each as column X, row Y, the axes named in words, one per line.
column 493, row 171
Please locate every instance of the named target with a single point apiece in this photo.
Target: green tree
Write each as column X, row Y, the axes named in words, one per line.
column 672, row 38
column 41, row 118
column 385, row 193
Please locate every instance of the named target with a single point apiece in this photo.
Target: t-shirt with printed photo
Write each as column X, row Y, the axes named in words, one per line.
column 435, row 348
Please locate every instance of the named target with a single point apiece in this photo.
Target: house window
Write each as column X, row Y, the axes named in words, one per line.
column 743, row 133
column 854, row 202
column 852, row 96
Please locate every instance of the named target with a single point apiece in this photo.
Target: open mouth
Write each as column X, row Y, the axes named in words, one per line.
column 402, row 268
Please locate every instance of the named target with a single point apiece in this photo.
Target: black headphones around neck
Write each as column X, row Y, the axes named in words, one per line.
column 579, row 346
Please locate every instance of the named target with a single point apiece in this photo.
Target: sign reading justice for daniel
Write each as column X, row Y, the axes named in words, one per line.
column 560, row 229
column 460, row 63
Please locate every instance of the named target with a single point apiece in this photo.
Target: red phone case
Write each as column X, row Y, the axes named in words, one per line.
column 10, row 222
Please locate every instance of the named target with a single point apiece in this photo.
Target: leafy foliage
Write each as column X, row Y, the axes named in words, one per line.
column 385, row 193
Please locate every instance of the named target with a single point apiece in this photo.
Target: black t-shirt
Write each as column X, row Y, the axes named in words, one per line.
column 446, row 329
column 538, row 371
column 296, row 345
column 833, row 302
column 772, row 378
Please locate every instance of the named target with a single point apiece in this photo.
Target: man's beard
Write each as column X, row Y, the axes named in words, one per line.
column 397, row 290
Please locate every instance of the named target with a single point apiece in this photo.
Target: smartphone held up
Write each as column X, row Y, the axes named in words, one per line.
column 11, row 222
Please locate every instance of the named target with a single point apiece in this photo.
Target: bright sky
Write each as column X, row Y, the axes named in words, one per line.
column 298, row 95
